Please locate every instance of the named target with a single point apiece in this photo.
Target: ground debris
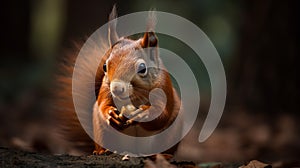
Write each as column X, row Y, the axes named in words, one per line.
column 18, row 158
column 160, row 162
column 210, row 165
column 10, row 157
column 125, row 157
column 256, row 164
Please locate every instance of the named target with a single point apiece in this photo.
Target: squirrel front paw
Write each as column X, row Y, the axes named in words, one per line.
column 139, row 115
column 128, row 116
column 115, row 119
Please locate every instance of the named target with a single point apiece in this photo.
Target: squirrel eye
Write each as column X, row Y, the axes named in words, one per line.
column 142, row 69
column 104, row 67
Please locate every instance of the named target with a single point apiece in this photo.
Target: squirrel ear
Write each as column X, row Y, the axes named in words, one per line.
column 112, row 27
column 149, row 40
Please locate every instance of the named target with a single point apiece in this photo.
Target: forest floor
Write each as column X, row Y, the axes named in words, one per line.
column 240, row 138
column 10, row 157
column 18, row 158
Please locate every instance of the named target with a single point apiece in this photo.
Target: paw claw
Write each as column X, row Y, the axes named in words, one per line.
column 96, row 152
column 101, row 152
column 128, row 122
column 107, row 120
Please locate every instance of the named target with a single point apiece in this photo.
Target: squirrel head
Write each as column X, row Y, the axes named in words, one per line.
column 133, row 67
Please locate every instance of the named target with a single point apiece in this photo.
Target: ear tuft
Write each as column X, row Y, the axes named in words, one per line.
column 112, row 27
column 151, row 21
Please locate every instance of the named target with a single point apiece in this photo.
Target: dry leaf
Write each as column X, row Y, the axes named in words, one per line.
column 256, row 164
column 125, row 158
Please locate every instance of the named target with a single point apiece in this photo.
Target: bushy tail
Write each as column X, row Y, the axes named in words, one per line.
column 70, row 130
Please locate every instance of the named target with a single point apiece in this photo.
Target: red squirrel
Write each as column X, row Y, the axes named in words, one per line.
column 126, row 75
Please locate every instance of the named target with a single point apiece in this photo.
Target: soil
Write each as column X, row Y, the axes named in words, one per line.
column 10, row 157
column 19, row 158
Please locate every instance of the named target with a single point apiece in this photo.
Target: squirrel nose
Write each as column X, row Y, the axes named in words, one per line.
column 117, row 88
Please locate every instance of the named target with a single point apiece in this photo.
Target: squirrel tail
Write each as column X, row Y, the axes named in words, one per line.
column 80, row 88
column 73, row 127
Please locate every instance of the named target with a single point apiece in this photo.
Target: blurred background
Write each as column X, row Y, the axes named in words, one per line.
column 258, row 42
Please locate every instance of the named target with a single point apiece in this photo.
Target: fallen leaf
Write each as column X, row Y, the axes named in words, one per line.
column 125, row 158
column 256, row 164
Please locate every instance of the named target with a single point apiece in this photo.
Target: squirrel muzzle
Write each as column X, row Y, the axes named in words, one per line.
column 120, row 89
